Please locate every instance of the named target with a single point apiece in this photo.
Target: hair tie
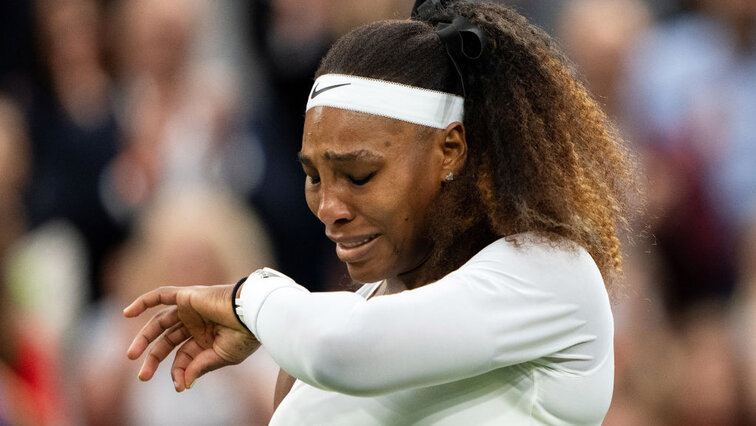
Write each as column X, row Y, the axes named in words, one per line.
column 462, row 39
column 425, row 7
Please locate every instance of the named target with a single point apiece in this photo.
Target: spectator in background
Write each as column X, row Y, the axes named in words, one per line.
column 745, row 318
column 29, row 392
column 691, row 96
column 598, row 35
column 187, row 239
column 705, row 383
column 14, row 173
column 178, row 111
column 72, row 129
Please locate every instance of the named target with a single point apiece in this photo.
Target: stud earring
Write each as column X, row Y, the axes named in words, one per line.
column 449, row 177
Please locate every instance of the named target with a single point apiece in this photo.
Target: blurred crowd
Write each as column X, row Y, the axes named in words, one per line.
column 153, row 142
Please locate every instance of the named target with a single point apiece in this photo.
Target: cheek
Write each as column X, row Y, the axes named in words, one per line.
column 411, row 207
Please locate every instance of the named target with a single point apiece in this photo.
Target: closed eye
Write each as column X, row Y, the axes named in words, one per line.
column 363, row 180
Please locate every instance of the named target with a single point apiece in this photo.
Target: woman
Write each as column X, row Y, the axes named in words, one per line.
column 465, row 174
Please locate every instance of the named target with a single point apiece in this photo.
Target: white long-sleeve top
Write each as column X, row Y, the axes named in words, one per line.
column 521, row 334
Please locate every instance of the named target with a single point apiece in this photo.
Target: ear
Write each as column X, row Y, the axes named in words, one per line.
column 454, row 148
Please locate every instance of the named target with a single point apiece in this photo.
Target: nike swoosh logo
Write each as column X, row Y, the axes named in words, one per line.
column 316, row 92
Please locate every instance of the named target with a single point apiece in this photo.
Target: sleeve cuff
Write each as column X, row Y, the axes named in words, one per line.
column 259, row 285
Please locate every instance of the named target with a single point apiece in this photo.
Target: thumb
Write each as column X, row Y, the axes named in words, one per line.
column 205, row 362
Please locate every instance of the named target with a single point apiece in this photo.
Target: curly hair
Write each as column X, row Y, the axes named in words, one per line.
column 542, row 155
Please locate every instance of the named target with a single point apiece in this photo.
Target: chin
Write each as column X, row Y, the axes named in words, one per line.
column 365, row 274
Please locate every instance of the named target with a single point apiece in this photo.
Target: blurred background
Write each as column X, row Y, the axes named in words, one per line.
column 153, row 142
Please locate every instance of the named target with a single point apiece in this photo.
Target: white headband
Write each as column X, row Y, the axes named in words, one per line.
column 393, row 100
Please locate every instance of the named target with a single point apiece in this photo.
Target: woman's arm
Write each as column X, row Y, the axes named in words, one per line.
column 507, row 307
column 468, row 323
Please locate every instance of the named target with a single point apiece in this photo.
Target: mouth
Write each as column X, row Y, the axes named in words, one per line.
column 351, row 250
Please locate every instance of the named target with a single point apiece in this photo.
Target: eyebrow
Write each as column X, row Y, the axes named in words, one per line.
column 341, row 157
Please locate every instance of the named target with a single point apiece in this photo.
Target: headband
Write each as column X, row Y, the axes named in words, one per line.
column 393, row 100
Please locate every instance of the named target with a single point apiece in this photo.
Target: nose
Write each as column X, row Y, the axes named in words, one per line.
column 333, row 208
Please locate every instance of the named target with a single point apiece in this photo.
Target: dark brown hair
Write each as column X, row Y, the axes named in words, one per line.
column 542, row 156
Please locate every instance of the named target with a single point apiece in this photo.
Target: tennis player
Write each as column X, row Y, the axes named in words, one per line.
column 470, row 181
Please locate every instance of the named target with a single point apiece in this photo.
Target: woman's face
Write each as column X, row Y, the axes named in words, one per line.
column 371, row 180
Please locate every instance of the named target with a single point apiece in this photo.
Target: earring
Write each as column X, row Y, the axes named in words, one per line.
column 449, row 177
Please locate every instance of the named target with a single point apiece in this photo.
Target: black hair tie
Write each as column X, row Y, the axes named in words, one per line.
column 462, row 39
column 425, row 7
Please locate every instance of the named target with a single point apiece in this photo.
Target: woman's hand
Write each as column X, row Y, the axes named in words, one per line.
column 202, row 319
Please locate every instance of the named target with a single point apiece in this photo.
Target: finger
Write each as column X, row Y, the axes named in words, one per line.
column 160, row 350
column 184, row 356
column 162, row 321
column 159, row 296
